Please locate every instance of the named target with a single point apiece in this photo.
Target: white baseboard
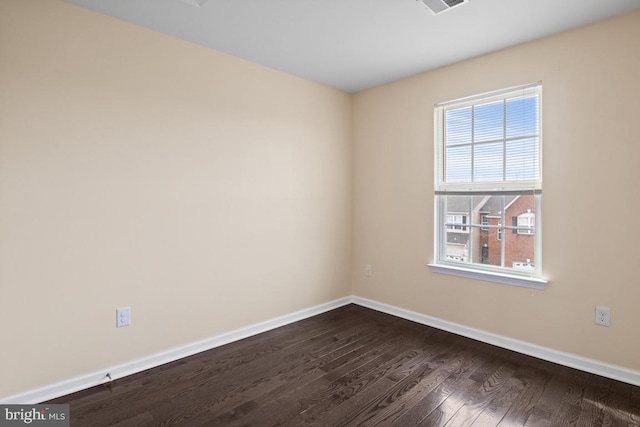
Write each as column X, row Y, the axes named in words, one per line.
column 119, row 371
column 559, row 357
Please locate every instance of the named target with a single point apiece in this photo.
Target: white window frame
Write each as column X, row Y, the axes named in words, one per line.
column 530, row 277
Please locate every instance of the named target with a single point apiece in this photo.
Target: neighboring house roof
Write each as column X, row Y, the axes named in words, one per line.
column 486, row 205
column 460, row 238
column 457, row 204
column 493, row 204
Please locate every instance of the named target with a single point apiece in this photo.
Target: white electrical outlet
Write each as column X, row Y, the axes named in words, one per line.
column 603, row 315
column 368, row 271
column 123, row 317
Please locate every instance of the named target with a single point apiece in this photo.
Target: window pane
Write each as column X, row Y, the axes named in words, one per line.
column 458, row 164
column 458, row 126
column 522, row 159
column 519, row 251
column 522, row 116
column 475, row 233
column 488, row 121
column 488, row 162
column 477, row 230
column 523, row 210
column 519, row 248
column 457, row 205
column 487, row 246
column 457, row 246
column 457, row 234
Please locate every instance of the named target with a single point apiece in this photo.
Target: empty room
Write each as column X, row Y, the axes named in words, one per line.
column 322, row 213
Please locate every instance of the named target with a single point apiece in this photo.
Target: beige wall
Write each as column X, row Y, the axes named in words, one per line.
column 591, row 89
column 206, row 192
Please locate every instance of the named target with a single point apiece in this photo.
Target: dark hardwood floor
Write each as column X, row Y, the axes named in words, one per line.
column 358, row 367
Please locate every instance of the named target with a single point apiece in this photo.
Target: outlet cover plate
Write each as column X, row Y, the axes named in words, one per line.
column 368, row 270
column 123, row 317
column 603, row 315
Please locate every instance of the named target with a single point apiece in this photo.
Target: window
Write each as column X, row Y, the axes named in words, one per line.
column 488, row 177
column 526, row 223
column 485, row 222
column 454, row 220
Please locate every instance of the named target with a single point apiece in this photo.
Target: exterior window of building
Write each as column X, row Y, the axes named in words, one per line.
column 488, row 181
column 526, row 223
column 485, row 222
column 454, row 222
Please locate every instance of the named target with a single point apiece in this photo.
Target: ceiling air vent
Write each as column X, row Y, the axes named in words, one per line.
column 196, row 3
column 437, row 6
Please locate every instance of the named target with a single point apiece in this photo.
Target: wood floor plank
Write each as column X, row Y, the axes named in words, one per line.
column 323, row 393
column 444, row 367
column 252, row 367
column 594, row 402
column 533, row 377
column 634, row 407
column 616, row 410
column 520, row 395
column 457, row 376
column 338, row 396
column 494, row 388
column 457, row 397
column 567, row 410
column 357, row 367
column 290, row 384
column 552, row 392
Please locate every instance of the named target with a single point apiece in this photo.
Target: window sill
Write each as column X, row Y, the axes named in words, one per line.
column 489, row 276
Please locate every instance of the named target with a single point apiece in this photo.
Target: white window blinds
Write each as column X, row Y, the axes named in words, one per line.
column 490, row 142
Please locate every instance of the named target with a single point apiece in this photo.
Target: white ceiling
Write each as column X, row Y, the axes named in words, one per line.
column 357, row 44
